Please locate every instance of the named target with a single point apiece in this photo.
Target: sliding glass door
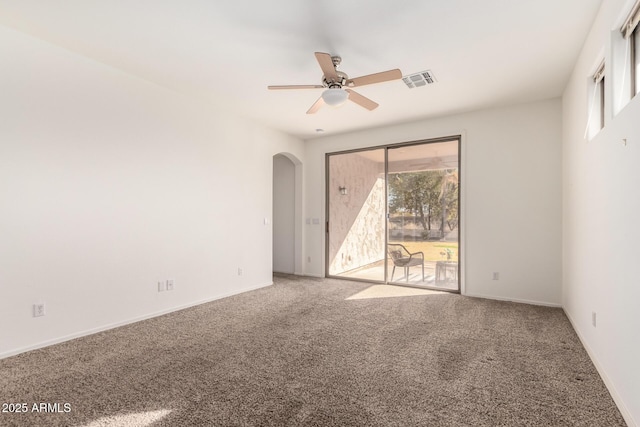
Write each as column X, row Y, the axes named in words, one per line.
column 393, row 214
column 423, row 210
column 356, row 215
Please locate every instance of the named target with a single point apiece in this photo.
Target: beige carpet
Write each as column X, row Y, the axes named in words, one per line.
column 314, row 352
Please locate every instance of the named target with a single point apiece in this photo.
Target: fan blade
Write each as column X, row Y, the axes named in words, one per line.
column 326, row 63
column 316, row 106
column 363, row 101
column 375, row 78
column 295, row 87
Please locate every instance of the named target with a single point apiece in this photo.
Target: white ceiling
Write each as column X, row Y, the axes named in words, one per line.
column 483, row 53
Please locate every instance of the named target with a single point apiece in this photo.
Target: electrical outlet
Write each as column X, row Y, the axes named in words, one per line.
column 496, row 275
column 308, row 259
column 161, row 286
column 239, row 272
column 593, row 318
column 170, row 284
column 38, row 310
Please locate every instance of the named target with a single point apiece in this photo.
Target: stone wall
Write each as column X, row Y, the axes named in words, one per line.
column 356, row 220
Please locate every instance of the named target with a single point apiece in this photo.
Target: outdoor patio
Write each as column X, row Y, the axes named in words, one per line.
column 437, row 274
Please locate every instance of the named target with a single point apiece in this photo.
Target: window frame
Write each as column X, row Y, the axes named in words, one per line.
column 601, row 83
column 599, row 80
column 634, row 47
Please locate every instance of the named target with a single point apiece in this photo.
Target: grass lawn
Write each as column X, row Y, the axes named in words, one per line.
column 432, row 249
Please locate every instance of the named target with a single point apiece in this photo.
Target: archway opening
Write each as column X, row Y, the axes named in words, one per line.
column 287, row 214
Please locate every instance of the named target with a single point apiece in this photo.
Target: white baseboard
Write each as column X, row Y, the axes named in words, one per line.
column 518, row 300
column 605, row 378
column 319, row 276
column 126, row 322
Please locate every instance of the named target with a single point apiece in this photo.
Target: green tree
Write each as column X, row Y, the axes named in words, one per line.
column 417, row 193
column 449, row 196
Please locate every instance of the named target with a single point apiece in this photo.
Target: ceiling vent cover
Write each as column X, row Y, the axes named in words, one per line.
column 422, row 78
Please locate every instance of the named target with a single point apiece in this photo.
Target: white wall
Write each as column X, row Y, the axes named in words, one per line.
column 600, row 216
column 284, row 219
column 108, row 184
column 511, row 195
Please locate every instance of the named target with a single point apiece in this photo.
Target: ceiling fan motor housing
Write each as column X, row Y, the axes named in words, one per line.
column 342, row 79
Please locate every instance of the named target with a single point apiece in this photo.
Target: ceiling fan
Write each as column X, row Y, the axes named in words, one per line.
column 337, row 84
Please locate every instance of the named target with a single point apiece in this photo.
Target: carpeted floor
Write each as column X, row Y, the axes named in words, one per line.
column 302, row 352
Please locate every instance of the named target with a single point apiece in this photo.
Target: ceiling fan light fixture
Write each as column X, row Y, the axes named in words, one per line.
column 335, row 96
column 338, row 85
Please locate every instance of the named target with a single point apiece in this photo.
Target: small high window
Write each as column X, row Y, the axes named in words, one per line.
column 599, row 96
column 631, row 31
column 635, row 61
column 595, row 119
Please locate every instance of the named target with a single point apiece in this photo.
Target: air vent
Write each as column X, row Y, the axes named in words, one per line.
column 422, row 78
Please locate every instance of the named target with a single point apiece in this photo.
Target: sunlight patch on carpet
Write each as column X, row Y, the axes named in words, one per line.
column 388, row 291
column 139, row 419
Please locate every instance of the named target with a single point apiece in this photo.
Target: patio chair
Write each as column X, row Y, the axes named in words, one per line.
column 401, row 257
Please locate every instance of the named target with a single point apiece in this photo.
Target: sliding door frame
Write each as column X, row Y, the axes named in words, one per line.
column 326, row 217
column 386, row 148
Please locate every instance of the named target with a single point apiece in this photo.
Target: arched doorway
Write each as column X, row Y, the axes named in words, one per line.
column 287, row 214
